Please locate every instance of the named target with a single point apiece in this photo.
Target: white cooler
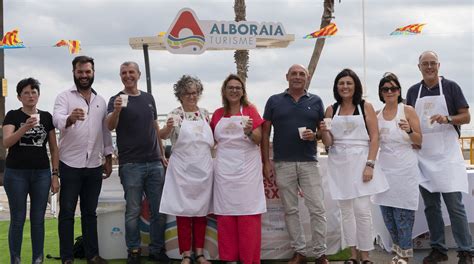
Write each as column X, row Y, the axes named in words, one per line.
column 111, row 227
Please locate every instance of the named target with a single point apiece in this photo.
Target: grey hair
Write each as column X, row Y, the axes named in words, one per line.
column 128, row 63
column 426, row 52
column 185, row 82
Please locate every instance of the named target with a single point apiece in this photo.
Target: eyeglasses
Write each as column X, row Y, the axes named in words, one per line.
column 234, row 88
column 427, row 64
column 191, row 94
column 391, row 89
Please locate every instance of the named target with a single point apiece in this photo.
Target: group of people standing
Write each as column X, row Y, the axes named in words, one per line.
column 386, row 157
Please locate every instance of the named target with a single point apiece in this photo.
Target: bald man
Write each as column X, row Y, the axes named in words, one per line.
column 442, row 109
column 294, row 157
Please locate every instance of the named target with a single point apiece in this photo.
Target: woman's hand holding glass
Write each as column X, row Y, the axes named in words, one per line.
column 404, row 125
column 248, row 126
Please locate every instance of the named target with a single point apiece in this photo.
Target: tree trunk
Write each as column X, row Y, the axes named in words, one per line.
column 241, row 57
column 318, row 47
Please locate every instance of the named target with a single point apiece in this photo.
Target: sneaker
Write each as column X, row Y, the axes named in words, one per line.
column 434, row 257
column 321, row 260
column 298, row 259
column 134, row 256
column 465, row 257
column 160, row 257
column 97, row 260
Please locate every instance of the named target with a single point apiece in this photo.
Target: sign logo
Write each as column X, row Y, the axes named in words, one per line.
column 185, row 34
column 189, row 35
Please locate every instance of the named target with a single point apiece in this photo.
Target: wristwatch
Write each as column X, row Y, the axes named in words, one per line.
column 449, row 119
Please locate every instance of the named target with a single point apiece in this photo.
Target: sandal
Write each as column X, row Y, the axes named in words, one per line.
column 351, row 261
column 186, row 260
column 367, row 262
column 205, row 261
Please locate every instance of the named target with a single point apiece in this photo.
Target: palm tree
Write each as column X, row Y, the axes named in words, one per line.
column 241, row 57
column 318, row 47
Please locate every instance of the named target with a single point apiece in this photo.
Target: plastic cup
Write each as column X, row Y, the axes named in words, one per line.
column 244, row 120
column 301, row 130
column 124, row 100
column 328, row 122
column 37, row 116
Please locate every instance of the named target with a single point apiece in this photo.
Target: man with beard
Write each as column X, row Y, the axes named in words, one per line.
column 79, row 113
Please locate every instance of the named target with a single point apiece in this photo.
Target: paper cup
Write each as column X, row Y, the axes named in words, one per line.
column 328, row 122
column 428, row 121
column 301, row 130
column 124, row 100
column 37, row 116
column 244, row 120
column 176, row 119
column 85, row 110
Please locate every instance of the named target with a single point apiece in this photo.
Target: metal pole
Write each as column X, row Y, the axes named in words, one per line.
column 147, row 68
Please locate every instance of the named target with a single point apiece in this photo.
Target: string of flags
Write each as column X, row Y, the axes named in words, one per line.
column 327, row 31
column 11, row 40
column 73, row 45
column 331, row 30
column 412, row 29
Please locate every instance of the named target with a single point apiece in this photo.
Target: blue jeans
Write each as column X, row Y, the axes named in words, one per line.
column 399, row 223
column 457, row 215
column 86, row 184
column 18, row 185
column 137, row 179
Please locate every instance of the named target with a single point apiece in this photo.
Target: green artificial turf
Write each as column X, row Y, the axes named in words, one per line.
column 51, row 244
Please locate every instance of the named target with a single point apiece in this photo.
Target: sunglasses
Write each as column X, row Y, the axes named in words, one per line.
column 391, row 89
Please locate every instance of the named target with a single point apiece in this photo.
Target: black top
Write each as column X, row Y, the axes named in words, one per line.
column 286, row 116
column 30, row 151
column 356, row 111
column 137, row 140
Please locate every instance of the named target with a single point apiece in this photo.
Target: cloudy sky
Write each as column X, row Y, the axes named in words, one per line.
column 105, row 26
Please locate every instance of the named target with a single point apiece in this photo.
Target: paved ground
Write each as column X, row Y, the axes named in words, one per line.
column 379, row 256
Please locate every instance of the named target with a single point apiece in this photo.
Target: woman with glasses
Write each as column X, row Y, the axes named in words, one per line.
column 399, row 128
column 187, row 191
column 239, row 198
column 26, row 132
column 352, row 171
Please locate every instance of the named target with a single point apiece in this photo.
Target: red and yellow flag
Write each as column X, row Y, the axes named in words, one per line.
column 412, row 29
column 327, row 31
column 73, row 45
column 11, row 40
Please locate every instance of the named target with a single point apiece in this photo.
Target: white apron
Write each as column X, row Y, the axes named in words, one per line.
column 440, row 157
column 238, row 178
column 399, row 163
column 189, row 176
column 347, row 158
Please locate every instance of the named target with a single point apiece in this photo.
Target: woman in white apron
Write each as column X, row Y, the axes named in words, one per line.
column 187, row 192
column 353, row 174
column 239, row 198
column 399, row 128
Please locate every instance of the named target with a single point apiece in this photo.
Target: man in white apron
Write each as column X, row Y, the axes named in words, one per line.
column 442, row 109
column 294, row 156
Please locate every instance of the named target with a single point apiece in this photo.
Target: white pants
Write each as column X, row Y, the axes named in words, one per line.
column 357, row 222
